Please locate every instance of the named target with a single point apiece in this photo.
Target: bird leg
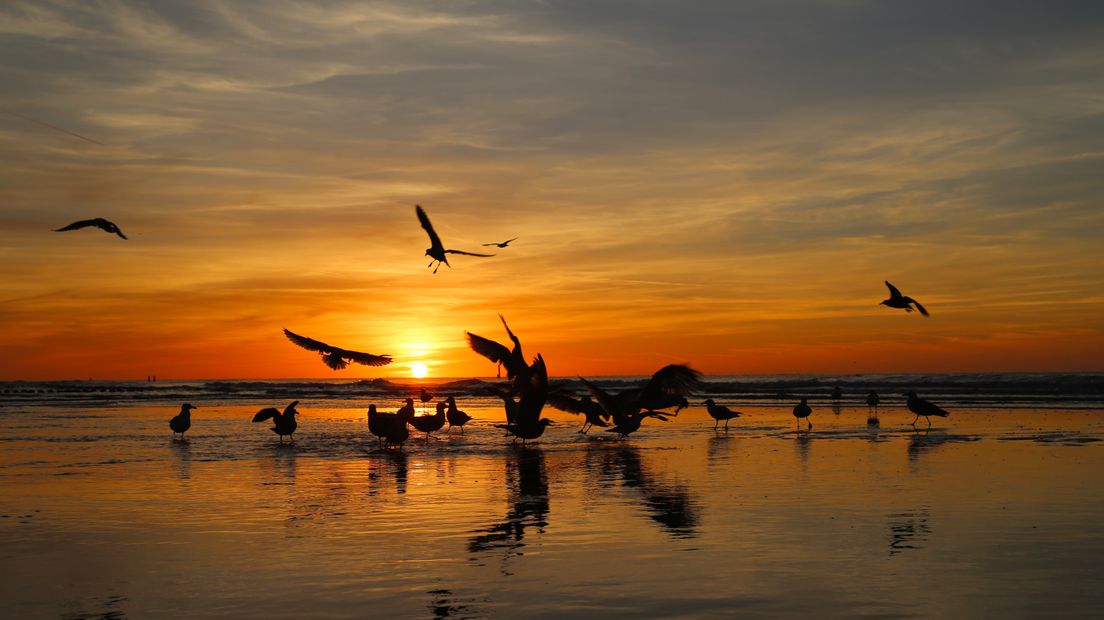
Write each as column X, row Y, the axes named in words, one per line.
column 915, row 419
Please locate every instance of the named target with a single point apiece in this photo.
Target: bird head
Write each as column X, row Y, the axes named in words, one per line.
column 410, row 401
column 708, row 402
column 371, row 408
column 188, row 407
column 291, row 408
column 441, row 407
column 546, row 422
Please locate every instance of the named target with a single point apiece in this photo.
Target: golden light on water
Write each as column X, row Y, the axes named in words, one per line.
column 419, row 370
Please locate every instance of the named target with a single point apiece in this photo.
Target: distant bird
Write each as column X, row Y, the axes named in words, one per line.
column 897, row 300
column 837, row 393
column 523, row 419
column 921, row 407
column 436, row 249
column 282, row 423
column 872, row 401
column 720, row 412
column 336, row 357
column 803, row 410
column 592, row 412
column 182, row 421
column 500, row 245
column 99, row 222
column 430, row 423
column 517, row 369
column 425, row 396
column 455, row 417
column 628, row 408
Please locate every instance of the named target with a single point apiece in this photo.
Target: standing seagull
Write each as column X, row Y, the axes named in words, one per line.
column 335, row 357
column 897, row 300
column 282, row 423
column 921, row 407
column 456, row 417
column 430, row 423
column 182, row 421
column 99, row 222
column 720, row 412
column 436, row 249
column 501, row 245
column 803, row 410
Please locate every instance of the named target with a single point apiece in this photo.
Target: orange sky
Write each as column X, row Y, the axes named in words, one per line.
column 728, row 188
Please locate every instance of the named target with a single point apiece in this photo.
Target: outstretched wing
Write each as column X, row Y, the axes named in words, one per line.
column 918, row 306
column 563, row 402
column 467, row 253
column 365, row 358
column 77, row 225
column 434, row 240
column 604, row 398
column 265, row 414
column 309, row 344
column 488, row 348
column 673, row 379
column 893, row 292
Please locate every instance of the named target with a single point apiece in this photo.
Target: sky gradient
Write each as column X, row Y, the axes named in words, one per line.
column 719, row 183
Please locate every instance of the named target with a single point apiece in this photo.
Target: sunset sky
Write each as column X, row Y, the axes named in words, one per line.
column 722, row 183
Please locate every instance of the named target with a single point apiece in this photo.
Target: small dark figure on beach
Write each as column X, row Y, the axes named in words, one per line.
column 99, row 222
column 922, row 407
column 430, row 423
column 455, row 417
column 720, row 412
column 872, row 401
column 592, row 412
column 182, row 421
column 803, row 410
column 282, row 423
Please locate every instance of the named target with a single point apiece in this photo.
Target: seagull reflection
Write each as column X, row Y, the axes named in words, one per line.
column 668, row 504
column 907, row 530
column 183, row 450
column 527, row 484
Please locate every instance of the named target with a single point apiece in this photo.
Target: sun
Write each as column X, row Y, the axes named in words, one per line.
column 419, row 370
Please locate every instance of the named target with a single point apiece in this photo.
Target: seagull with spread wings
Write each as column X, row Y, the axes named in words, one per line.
column 897, row 300
column 436, row 249
column 516, row 369
column 523, row 419
column 336, row 357
column 99, row 222
column 500, row 245
column 629, row 407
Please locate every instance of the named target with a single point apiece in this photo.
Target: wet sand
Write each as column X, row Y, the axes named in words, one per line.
column 991, row 513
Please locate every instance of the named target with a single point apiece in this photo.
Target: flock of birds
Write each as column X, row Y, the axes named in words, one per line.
column 527, row 390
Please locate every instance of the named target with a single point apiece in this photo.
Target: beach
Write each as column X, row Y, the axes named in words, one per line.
column 993, row 512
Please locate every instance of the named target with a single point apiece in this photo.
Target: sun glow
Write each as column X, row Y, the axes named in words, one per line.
column 419, row 370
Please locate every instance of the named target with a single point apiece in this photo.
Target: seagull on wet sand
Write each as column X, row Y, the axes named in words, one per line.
column 379, row 423
column 430, row 423
column 921, row 407
column 523, row 419
column 720, row 412
column 182, row 421
column 500, row 245
column 397, row 432
column 336, row 357
column 282, row 423
column 99, row 222
column 897, row 300
column 436, row 249
column 592, row 412
column 625, row 407
column 455, row 417
column 803, row 410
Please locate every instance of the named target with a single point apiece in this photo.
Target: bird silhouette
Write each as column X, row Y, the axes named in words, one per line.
column 593, row 413
column 99, row 222
column 501, row 245
column 425, row 396
column 720, row 412
column 455, row 417
column 436, row 249
column 897, row 300
column 430, row 423
column 397, row 432
column 282, row 423
column 379, row 423
column 872, row 401
column 517, row 369
column 182, row 421
column 921, row 407
column 336, row 357
column 803, row 410
column 625, row 407
column 523, row 419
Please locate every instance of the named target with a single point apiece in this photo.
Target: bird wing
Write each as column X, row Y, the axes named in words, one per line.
column 265, row 414
column 918, row 306
column 119, row 232
column 309, row 344
column 673, row 379
column 467, row 253
column 563, row 402
column 434, row 240
column 488, row 348
column 604, row 398
column 893, row 292
column 365, row 358
column 77, row 225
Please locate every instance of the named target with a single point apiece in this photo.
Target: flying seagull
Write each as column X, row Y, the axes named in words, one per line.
column 517, row 370
column 335, row 357
column 437, row 250
column 501, row 245
column 897, row 300
column 99, row 222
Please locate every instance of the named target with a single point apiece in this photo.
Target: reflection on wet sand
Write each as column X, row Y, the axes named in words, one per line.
column 108, row 608
column 907, row 530
column 527, row 484
column 924, row 441
column 444, row 604
column 182, row 452
column 668, row 504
